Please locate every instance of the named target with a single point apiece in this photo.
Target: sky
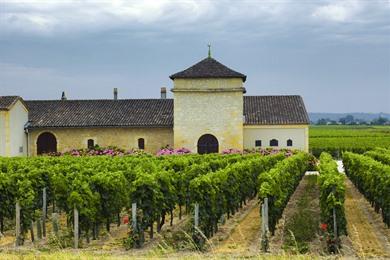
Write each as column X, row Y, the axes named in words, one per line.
column 335, row 54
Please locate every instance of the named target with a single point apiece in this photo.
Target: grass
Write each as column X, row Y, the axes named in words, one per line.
column 302, row 226
column 89, row 255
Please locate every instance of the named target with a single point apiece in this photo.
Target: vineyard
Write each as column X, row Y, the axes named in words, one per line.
column 102, row 188
column 358, row 139
column 184, row 201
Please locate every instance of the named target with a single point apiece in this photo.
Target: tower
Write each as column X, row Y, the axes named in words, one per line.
column 208, row 107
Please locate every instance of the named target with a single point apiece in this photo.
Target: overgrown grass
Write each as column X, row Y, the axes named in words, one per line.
column 302, row 227
column 90, row 256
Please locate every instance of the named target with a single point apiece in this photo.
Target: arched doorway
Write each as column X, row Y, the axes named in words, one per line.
column 46, row 143
column 207, row 144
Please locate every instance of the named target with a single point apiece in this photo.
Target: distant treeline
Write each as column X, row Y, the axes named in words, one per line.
column 351, row 120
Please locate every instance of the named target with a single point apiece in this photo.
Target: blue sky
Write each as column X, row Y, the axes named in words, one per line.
column 336, row 54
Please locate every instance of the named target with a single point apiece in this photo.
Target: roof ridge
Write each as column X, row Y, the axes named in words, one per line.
column 116, row 100
column 272, row 96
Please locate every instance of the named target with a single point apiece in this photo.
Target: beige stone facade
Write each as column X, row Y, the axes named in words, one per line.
column 208, row 106
column 12, row 136
column 298, row 134
column 125, row 138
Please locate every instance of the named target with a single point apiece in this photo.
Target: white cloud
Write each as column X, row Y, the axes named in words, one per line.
column 51, row 16
column 64, row 17
column 340, row 11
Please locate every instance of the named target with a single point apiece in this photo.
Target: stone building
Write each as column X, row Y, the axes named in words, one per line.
column 208, row 113
column 13, row 118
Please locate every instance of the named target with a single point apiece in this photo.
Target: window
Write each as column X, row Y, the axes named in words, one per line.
column 273, row 142
column 289, row 142
column 141, row 143
column 90, row 143
column 258, row 143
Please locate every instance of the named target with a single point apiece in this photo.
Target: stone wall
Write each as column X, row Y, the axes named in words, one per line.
column 125, row 138
column 208, row 106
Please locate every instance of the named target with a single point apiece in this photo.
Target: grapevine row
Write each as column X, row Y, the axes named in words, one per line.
column 332, row 194
column 372, row 179
column 100, row 187
column 226, row 190
column 380, row 154
column 279, row 183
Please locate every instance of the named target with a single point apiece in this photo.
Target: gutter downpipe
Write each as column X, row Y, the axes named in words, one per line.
column 27, row 138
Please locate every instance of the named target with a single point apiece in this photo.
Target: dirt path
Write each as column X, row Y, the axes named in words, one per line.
column 245, row 238
column 369, row 236
column 301, row 217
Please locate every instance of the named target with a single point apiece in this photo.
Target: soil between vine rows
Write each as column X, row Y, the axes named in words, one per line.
column 368, row 234
column 245, row 236
column 309, row 196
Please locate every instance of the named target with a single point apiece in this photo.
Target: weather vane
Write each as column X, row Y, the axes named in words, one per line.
column 209, row 45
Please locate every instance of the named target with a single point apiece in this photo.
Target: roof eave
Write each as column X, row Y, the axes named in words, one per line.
column 173, row 77
column 101, row 126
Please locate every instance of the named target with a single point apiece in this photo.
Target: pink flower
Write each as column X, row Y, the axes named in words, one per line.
column 231, row 151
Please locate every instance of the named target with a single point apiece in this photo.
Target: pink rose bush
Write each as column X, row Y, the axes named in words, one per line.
column 270, row 151
column 171, row 151
column 231, row 151
column 99, row 151
column 115, row 151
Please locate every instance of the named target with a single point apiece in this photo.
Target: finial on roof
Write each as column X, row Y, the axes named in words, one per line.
column 209, row 45
column 63, row 96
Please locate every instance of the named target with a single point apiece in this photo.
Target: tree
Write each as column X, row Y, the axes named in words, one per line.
column 379, row 121
column 322, row 121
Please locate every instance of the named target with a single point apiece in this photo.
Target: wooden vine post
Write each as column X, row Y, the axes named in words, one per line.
column 264, row 226
column 196, row 216
column 134, row 216
column 76, row 227
column 44, row 212
column 18, row 241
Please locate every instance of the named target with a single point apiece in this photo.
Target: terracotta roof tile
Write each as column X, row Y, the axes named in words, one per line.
column 274, row 110
column 208, row 68
column 7, row 101
column 258, row 110
column 101, row 113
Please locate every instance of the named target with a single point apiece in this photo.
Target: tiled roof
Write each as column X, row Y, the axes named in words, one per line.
column 7, row 101
column 258, row 110
column 101, row 113
column 208, row 68
column 275, row 110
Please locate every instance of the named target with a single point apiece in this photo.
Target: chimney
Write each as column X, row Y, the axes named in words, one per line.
column 115, row 93
column 163, row 93
column 63, row 97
